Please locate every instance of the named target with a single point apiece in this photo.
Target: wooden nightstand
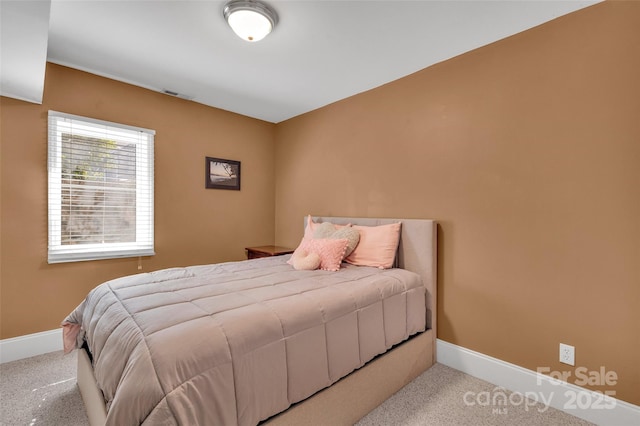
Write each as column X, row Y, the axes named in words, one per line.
column 266, row 251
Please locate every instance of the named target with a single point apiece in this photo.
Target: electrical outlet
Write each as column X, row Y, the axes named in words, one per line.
column 567, row 354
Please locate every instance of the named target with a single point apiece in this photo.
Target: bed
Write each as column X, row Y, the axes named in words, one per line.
column 349, row 340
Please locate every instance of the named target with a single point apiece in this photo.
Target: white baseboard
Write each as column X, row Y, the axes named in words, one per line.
column 30, row 345
column 572, row 399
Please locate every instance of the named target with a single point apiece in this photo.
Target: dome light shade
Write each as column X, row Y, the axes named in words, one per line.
column 249, row 19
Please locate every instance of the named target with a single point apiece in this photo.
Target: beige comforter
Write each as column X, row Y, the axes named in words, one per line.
column 236, row 343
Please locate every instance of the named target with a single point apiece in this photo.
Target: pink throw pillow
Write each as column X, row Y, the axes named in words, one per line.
column 377, row 246
column 330, row 251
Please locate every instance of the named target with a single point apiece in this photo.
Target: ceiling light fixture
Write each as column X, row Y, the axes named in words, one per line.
column 251, row 20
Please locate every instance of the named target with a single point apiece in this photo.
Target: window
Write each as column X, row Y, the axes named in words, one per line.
column 100, row 189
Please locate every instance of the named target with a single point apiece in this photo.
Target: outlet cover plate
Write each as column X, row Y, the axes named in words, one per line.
column 567, row 354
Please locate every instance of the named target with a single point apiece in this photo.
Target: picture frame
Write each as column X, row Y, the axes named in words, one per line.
column 222, row 174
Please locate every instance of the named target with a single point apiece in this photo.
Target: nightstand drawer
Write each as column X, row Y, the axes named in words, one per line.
column 266, row 251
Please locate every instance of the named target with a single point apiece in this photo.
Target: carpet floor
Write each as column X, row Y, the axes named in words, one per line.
column 42, row 391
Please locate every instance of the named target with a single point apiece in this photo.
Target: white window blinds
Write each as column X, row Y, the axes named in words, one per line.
column 100, row 189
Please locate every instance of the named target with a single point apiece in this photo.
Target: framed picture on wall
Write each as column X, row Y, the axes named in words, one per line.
column 222, row 174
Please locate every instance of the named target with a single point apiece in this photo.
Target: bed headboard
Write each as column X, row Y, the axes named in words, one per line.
column 417, row 251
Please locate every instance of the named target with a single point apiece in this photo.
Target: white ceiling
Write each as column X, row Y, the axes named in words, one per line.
column 320, row 51
column 23, row 49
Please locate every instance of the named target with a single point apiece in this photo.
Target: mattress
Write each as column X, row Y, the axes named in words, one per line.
column 238, row 342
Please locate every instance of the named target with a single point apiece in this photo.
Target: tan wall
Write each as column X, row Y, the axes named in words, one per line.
column 194, row 225
column 527, row 152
